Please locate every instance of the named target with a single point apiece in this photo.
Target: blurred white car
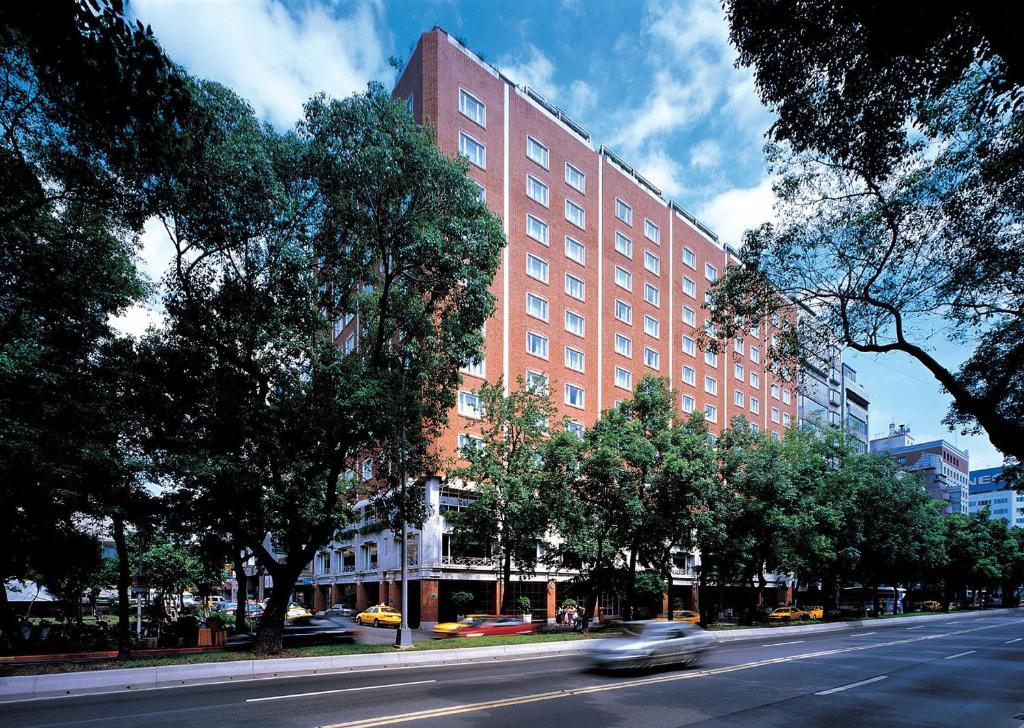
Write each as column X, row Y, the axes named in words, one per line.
column 652, row 643
column 340, row 610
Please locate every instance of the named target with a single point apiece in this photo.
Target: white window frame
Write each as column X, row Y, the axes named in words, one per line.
column 652, row 295
column 475, row 367
column 532, row 183
column 755, row 380
column 711, row 359
column 689, row 316
column 689, row 346
column 465, row 399
column 544, row 230
column 626, row 281
column 530, row 295
column 464, row 135
column 626, row 247
column 755, row 355
column 652, row 262
column 570, row 314
column 570, row 281
column 689, row 258
column 688, row 404
column 652, row 355
column 710, row 413
column 625, row 306
column 626, row 347
column 569, row 387
column 545, row 154
column 775, row 417
column 690, row 287
column 464, row 94
column 571, row 206
column 738, row 398
column 571, row 241
column 582, row 187
column 626, row 210
column 689, row 375
column 571, row 353
column 534, row 336
column 738, row 373
column 624, row 379
column 755, row 405
column 652, row 323
column 648, row 226
column 710, row 385
column 465, row 438
column 710, row 272
column 537, row 381
column 547, row 268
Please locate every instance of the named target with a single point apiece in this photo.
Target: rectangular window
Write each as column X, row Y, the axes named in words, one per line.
column 689, row 375
column 537, row 152
column 710, row 413
column 466, row 440
column 350, row 344
column 623, row 311
column 623, row 211
column 755, row 380
column 575, row 214
column 537, row 229
column 575, row 178
column 755, row 405
column 737, row 370
column 623, row 278
column 652, row 232
column 574, row 323
column 710, row 385
column 775, row 414
column 574, row 250
column 574, row 286
column 537, row 382
column 652, row 358
column 475, row 366
column 537, row 344
column 367, row 469
column 652, row 262
column 472, row 107
column 470, row 405
column 785, row 396
column 652, row 295
column 689, row 316
column 623, row 245
column 536, row 306
column 775, row 391
column 573, row 359
column 689, row 258
column 738, row 346
column 472, row 150
column 710, row 272
column 537, row 190
column 787, row 419
column 688, row 403
column 623, row 378
column 755, row 331
column 536, row 268
column 755, row 355
column 575, row 428
column 483, row 192
column 689, row 346
column 689, row 287
column 711, row 359
column 652, row 327
column 738, row 398
column 574, row 395
column 623, row 345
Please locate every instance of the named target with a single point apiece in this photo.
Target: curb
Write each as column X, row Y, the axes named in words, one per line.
column 28, row 687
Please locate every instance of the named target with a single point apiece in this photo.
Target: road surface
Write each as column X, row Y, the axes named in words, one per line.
column 962, row 672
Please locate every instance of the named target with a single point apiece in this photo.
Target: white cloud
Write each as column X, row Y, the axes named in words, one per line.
column 154, row 259
column 538, row 72
column 732, row 212
column 662, row 169
column 274, row 55
column 706, row 154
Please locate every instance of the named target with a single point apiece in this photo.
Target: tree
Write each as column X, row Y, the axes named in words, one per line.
column 87, row 101
column 358, row 220
column 890, row 232
column 506, row 509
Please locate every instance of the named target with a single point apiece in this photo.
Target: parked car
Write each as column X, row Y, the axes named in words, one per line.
column 651, row 643
column 682, row 615
column 785, row 614
column 816, row 612
column 297, row 611
column 340, row 610
column 929, row 605
column 495, row 626
column 302, row 632
column 381, row 615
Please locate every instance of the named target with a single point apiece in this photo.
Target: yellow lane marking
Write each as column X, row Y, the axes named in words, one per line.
column 538, row 697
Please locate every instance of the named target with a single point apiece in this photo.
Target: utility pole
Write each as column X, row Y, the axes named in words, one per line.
column 403, row 637
column 138, row 596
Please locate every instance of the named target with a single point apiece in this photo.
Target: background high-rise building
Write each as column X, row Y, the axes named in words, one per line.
column 945, row 468
column 988, row 489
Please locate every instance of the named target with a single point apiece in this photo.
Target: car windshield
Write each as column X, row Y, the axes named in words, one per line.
column 388, row 611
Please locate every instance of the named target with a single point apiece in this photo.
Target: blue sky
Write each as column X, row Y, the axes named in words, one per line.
column 654, row 81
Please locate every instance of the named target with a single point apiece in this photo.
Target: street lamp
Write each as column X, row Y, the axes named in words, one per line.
column 403, row 635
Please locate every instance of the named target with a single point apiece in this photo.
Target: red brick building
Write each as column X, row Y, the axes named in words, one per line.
column 602, row 280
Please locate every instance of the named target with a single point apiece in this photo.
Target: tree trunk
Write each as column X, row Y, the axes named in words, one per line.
column 270, row 631
column 124, row 580
column 242, row 582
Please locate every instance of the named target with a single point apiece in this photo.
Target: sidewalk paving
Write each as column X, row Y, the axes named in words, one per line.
column 28, row 687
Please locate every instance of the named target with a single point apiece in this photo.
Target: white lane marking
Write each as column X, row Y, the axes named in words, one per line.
column 959, row 654
column 780, row 644
column 1010, row 642
column 920, row 626
column 852, row 685
column 339, row 690
column 863, row 634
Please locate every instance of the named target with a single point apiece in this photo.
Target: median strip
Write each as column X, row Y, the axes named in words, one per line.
column 852, row 685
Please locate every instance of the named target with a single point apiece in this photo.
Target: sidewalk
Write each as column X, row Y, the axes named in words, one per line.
column 141, row 678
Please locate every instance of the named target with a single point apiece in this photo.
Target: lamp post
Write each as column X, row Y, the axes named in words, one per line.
column 403, row 635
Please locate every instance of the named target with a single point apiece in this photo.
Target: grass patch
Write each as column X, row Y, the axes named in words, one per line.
column 14, row 669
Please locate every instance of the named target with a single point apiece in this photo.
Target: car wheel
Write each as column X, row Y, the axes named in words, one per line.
column 376, row 623
column 358, row 622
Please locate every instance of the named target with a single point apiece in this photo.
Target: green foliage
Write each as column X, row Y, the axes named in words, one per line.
column 524, row 604
column 462, row 600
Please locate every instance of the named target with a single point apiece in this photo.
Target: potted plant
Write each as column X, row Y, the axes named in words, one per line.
column 525, row 608
column 462, row 600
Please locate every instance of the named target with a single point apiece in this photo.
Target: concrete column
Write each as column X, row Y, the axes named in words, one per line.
column 382, row 592
column 429, row 595
column 362, row 596
column 335, row 594
column 552, row 604
column 318, row 599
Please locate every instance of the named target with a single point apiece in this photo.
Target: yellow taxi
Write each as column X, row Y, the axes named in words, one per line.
column 381, row 615
column 814, row 612
column 448, row 629
column 682, row 615
column 297, row 611
column 785, row 614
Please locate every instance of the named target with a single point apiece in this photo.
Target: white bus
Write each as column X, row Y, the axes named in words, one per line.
column 890, row 600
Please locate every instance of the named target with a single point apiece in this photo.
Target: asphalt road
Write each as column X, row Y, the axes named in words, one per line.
column 963, row 672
